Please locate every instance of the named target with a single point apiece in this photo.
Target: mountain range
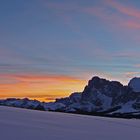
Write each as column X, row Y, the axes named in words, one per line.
column 100, row 97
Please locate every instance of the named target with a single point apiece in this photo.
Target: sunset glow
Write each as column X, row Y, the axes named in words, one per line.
column 43, row 88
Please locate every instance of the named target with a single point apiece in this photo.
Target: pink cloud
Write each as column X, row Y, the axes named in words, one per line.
column 132, row 24
column 118, row 17
column 131, row 74
column 100, row 11
column 137, row 65
column 127, row 10
column 132, row 14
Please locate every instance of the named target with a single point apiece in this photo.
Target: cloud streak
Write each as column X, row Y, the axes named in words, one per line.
column 102, row 11
column 40, row 87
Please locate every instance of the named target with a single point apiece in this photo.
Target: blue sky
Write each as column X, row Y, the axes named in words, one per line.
column 71, row 38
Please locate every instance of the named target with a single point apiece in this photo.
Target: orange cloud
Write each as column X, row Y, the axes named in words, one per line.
column 41, row 87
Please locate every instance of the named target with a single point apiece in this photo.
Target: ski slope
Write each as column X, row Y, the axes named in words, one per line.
column 22, row 124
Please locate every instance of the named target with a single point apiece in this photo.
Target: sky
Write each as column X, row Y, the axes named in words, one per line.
column 51, row 48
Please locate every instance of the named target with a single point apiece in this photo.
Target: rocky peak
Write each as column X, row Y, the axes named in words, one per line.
column 105, row 93
column 97, row 82
column 135, row 84
column 109, row 88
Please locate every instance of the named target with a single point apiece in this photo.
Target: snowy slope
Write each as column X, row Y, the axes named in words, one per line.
column 22, row 124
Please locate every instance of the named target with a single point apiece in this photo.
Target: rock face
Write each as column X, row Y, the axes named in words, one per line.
column 102, row 92
column 135, row 84
column 99, row 96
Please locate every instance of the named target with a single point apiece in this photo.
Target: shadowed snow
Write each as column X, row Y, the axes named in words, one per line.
column 22, row 124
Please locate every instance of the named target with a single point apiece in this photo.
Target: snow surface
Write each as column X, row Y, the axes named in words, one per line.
column 23, row 124
column 126, row 108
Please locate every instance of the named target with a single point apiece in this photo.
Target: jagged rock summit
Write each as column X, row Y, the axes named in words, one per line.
column 100, row 97
column 103, row 96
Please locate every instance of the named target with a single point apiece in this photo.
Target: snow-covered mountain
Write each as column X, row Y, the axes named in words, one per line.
column 100, row 97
